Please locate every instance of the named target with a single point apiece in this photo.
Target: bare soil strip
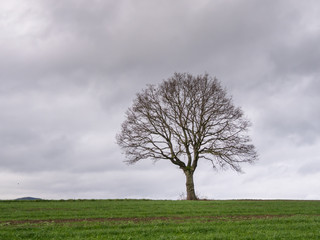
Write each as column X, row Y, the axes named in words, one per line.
column 146, row 219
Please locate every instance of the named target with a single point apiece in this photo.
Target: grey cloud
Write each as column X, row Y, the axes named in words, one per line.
column 70, row 69
column 292, row 110
column 37, row 156
column 310, row 167
column 300, row 57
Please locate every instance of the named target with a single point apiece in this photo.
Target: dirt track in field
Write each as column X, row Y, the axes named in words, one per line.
column 145, row 219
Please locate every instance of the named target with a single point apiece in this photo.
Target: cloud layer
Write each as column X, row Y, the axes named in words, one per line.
column 70, row 69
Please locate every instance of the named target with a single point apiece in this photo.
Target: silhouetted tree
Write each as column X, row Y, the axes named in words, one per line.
column 183, row 120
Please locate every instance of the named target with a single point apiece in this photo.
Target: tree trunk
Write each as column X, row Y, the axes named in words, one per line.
column 191, row 195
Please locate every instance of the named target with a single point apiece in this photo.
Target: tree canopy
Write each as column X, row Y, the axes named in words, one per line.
column 183, row 120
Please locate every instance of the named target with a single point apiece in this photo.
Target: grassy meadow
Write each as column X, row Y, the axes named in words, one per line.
column 159, row 219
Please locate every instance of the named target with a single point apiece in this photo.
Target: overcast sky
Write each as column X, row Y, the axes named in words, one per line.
column 70, row 69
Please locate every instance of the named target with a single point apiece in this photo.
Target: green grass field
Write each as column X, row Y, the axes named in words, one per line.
column 155, row 219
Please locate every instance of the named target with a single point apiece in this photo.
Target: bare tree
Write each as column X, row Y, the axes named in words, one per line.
column 183, row 120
